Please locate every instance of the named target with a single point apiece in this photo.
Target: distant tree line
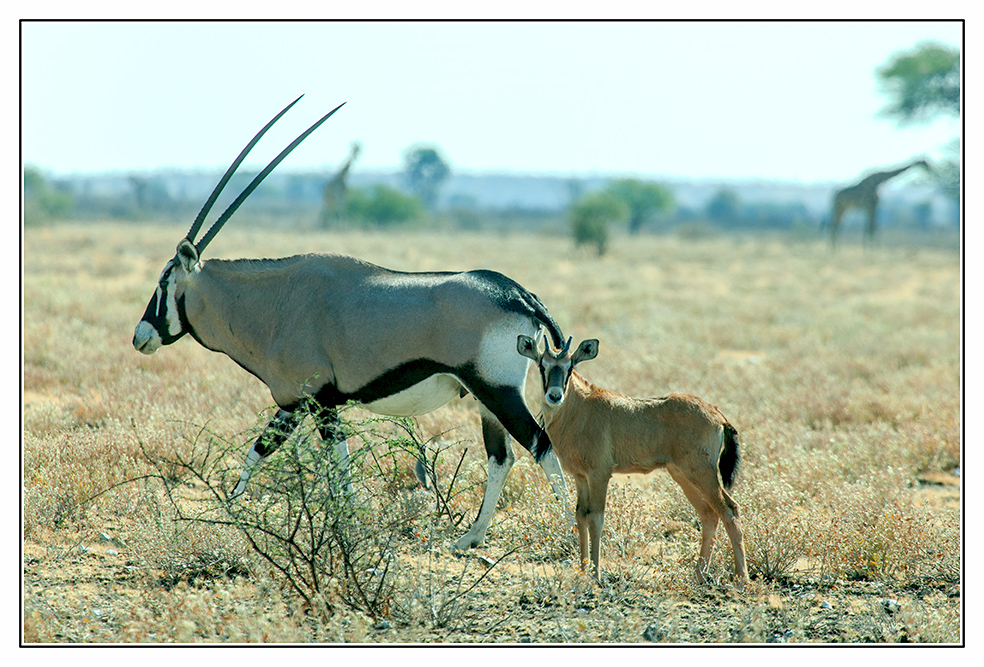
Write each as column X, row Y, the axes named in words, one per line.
column 623, row 205
column 924, row 84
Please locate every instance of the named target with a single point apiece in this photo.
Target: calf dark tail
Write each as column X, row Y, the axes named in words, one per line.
column 730, row 458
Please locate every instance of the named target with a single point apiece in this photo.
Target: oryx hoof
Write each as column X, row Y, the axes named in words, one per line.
column 467, row 542
column 704, row 576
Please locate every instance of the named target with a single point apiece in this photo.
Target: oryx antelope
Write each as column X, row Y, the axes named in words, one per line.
column 335, row 329
column 597, row 432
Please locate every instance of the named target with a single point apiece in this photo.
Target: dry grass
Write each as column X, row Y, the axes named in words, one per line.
column 841, row 371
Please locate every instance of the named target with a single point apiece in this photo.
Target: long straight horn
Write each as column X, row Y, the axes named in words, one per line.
column 228, row 174
column 214, row 229
column 567, row 346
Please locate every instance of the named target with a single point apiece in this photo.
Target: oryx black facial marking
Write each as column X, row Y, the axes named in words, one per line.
column 161, row 323
column 321, row 330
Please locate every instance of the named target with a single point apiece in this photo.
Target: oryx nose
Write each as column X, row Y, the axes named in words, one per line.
column 555, row 395
column 144, row 338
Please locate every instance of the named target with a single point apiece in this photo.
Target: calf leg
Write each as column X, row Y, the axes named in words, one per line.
column 581, row 518
column 708, row 519
column 280, row 428
column 730, row 520
column 725, row 508
column 501, row 460
column 717, row 503
column 597, row 493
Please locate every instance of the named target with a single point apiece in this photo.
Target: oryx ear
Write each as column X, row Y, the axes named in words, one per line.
column 588, row 349
column 187, row 255
column 527, row 347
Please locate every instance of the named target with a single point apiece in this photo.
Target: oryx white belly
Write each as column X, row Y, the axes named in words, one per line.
column 419, row 399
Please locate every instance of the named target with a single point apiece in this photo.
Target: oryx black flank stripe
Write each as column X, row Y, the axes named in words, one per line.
column 389, row 383
column 505, row 402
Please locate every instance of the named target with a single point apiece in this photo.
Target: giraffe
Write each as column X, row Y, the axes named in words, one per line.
column 864, row 196
column 333, row 196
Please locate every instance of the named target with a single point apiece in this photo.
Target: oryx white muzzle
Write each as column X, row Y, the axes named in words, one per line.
column 145, row 338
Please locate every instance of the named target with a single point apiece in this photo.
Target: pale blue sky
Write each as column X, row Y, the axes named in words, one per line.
column 780, row 101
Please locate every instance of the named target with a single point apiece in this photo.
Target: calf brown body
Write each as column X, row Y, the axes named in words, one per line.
column 597, row 433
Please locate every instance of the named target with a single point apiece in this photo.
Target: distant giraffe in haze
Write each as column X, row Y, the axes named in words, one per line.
column 864, row 196
column 333, row 196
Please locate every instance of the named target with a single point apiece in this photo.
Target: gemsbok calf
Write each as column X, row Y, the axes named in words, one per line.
column 597, row 432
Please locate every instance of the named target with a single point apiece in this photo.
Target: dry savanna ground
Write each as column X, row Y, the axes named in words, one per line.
column 841, row 372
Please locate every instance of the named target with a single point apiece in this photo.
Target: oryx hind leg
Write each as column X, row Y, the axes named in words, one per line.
column 275, row 433
column 501, row 459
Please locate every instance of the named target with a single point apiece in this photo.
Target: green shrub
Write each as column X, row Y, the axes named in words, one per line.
column 382, row 206
column 591, row 216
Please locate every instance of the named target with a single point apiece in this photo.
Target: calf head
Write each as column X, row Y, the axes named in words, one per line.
column 556, row 365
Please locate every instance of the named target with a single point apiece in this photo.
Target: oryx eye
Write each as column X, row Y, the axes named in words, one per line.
column 165, row 276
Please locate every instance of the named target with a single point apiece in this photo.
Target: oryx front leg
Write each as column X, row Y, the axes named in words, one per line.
column 333, row 432
column 551, row 467
column 276, row 432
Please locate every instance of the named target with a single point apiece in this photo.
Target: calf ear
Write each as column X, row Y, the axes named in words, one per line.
column 527, row 347
column 588, row 349
column 187, row 255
